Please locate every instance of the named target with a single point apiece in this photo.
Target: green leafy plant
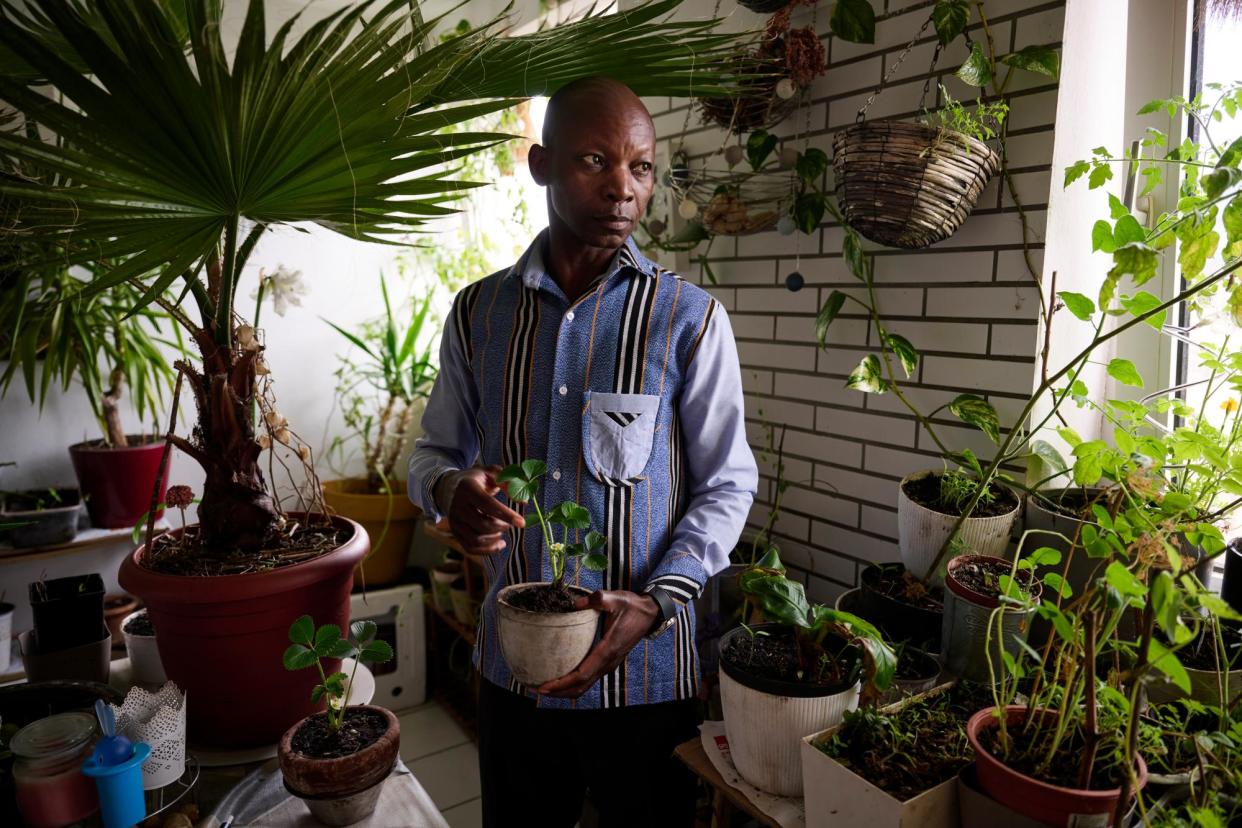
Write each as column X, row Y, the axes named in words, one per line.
column 522, row 483
column 982, row 121
column 378, row 393
column 168, row 157
column 311, row 647
column 784, row 602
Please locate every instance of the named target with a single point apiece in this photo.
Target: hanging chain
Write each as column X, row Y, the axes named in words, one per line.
column 970, row 47
column 889, row 74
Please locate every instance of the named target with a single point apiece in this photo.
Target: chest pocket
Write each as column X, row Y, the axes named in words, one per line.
column 617, row 433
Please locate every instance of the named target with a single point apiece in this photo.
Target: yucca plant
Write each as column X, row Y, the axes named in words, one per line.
column 51, row 335
column 170, row 157
column 378, row 390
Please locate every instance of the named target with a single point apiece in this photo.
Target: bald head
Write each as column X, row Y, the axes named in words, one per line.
column 585, row 100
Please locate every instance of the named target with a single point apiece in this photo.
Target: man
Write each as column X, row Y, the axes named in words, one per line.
column 625, row 380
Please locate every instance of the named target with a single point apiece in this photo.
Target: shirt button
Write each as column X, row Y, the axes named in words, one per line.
column 570, row 316
column 562, row 390
column 556, row 474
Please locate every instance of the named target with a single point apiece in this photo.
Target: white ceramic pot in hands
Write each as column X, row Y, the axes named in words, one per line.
column 765, row 726
column 144, row 656
column 541, row 646
column 921, row 532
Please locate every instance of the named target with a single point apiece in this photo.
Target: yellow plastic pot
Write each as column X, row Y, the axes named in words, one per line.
column 390, row 520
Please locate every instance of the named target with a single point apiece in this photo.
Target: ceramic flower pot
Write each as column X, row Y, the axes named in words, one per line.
column 117, row 483
column 204, row 622
column 541, row 646
column 144, row 654
column 766, row 719
column 921, row 532
column 1049, row 804
column 118, row 607
column 389, row 520
column 343, row 790
column 967, row 616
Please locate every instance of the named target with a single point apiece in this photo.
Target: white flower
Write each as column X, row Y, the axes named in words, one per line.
column 283, row 287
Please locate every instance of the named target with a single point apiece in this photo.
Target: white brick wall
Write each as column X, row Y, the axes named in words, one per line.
column 968, row 303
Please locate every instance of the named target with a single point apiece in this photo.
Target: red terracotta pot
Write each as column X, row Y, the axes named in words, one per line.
column 117, row 482
column 347, row 774
column 1049, row 804
column 221, row 638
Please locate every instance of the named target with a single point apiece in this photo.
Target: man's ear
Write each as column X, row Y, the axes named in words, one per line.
column 537, row 158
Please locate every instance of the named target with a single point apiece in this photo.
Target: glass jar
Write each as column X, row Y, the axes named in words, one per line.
column 52, row 791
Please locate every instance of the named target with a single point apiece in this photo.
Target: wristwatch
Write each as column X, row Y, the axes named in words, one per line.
column 667, row 614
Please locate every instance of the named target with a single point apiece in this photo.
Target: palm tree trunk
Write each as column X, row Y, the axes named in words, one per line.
column 236, row 511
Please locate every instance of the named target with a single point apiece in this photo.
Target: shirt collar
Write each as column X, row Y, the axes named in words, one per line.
column 531, row 269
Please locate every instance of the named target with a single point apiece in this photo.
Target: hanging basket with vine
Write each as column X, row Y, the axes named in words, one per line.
column 910, row 185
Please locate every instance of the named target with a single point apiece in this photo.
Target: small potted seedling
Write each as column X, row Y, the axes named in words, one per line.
column 797, row 675
column 976, row 587
column 336, row 761
column 144, row 653
column 930, row 504
column 542, row 635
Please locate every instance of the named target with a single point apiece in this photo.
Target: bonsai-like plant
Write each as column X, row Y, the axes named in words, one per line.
column 311, row 647
column 167, row 157
column 784, row 602
column 522, row 484
column 377, row 394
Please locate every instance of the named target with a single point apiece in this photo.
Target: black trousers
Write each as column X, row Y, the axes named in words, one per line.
column 537, row 764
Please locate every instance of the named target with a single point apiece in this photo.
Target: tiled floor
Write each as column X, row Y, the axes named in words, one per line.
column 445, row 762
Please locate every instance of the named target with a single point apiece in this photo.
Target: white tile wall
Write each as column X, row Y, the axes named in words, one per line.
column 969, row 303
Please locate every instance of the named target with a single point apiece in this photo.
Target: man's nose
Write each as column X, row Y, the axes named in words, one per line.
column 619, row 187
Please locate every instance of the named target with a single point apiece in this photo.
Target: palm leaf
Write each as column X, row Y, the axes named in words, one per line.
column 159, row 145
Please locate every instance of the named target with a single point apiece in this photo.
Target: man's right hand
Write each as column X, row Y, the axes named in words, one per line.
column 478, row 520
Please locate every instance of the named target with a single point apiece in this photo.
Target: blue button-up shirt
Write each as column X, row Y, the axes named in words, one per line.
column 632, row 394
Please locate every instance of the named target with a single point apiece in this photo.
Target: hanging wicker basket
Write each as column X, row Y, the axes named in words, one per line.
column 756, row 105
column 907, row 185
column 764, row 6
column 738, row 203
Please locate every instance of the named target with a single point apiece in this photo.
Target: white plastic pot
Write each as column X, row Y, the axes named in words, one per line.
column 765, row 729
column 835, row 795
column 921, row 532
column 6, row 635
column 541, row 646
column 144, row 656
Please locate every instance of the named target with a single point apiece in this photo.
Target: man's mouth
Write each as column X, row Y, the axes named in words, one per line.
column 617, row 222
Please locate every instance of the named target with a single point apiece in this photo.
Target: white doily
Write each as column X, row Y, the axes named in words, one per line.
column 159, row 720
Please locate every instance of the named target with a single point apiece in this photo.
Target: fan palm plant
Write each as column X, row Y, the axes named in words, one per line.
column 170, row 158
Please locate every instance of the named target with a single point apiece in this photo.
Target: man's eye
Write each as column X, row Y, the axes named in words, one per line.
column 595, row 160
column 643, row 167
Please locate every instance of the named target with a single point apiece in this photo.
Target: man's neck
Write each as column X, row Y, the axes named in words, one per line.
column 574, row 265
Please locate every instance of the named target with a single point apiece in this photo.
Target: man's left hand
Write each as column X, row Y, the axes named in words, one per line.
column 628, row 617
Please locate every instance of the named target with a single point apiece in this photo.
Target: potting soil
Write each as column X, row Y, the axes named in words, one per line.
column 360, row 729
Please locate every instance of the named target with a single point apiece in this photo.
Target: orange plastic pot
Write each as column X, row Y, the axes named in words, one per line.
column 390, row 520
column 1049, row 804
column 221, row 638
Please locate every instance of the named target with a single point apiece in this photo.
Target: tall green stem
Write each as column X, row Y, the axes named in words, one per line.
column 1048, row 383
column 228, row 277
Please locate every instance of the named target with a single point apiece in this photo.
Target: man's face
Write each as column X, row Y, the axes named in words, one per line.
column 599, row 170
